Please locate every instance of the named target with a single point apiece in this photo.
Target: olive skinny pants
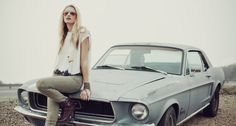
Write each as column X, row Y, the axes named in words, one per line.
column 53, row 87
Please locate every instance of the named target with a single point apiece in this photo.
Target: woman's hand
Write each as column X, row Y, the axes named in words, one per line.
column 85, row 94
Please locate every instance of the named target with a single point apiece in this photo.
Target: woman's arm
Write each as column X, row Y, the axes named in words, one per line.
column 84, row 59
column 85, row 94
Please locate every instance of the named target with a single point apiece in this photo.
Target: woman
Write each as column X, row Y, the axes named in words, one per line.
column 71, row 70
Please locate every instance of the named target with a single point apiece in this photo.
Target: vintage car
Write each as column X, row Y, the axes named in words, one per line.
column 146, row 84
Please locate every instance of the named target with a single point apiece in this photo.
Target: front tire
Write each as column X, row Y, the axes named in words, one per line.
column 212, row 109
column 169, row 118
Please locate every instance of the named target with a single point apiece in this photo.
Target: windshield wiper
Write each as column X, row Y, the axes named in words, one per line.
column 148, row 69
column 108, row 67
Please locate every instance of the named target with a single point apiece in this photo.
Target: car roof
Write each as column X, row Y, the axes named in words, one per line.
column 171, row 45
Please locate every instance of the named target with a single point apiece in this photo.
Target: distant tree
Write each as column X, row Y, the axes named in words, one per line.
column 230, row 72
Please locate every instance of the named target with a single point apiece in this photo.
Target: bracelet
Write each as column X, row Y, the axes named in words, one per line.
column 87, row 85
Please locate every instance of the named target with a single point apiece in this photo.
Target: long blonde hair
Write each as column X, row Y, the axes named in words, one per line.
column 75, row 30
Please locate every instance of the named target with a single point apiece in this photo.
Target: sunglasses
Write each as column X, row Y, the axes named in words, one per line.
column 71, row 13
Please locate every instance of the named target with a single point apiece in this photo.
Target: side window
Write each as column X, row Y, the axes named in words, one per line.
column 194, row 62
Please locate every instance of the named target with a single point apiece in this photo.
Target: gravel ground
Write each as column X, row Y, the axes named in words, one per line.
column 9, row 117
column 226, row 114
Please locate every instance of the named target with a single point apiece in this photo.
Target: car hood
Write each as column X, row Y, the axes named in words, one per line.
column 112, row 84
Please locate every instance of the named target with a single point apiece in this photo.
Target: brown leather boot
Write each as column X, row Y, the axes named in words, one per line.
column 68, row 108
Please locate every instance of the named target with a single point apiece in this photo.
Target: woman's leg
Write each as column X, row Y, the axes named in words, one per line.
column 52, row 115
column 53, row 86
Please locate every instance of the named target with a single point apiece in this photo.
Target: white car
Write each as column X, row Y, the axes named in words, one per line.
column 147, row 84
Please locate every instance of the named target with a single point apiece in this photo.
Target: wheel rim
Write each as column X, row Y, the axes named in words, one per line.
column 170, row 121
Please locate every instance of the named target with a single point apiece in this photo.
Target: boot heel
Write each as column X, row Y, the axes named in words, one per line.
column 72, row 117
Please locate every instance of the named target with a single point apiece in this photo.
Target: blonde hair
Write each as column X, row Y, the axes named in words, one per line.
column 75, row 30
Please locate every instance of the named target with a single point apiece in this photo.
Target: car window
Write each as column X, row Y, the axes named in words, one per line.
column 117, row 57
column 195, row 62
column 168, row 60
column 143, row 58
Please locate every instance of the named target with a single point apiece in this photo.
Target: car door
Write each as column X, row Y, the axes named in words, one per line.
column 200, row 81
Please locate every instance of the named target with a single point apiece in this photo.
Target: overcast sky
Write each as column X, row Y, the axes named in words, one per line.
column 29, row 30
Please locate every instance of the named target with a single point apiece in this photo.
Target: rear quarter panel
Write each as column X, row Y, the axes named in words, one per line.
column 217, row 75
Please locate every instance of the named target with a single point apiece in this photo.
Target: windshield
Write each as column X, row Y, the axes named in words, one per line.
column 142, row 58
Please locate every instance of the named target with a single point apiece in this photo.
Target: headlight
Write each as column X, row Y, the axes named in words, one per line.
column 23, row 97
column 139, row 112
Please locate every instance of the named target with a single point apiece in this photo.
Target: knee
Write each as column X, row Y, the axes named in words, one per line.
column 40, row 85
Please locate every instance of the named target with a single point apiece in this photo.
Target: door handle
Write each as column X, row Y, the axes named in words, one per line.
column 208, row 76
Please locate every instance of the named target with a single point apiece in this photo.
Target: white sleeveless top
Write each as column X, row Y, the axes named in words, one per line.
column 69, row 56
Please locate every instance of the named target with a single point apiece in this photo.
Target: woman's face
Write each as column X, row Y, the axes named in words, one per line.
column 70, row 15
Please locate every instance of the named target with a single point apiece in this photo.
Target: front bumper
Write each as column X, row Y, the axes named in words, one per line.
column 34, row 116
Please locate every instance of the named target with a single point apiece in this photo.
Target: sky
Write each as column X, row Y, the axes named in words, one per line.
column 29, row 30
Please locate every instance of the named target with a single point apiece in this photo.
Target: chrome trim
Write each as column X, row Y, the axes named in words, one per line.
column 38, row 105
column 39, row 111
column 93, row 119
column 92, row 115
column 29, row 113
column 87, row 124
column 206, row 99
column 114, row 124
column 35, row 110
column 190, row 116
column 40, row 116
column 79, row 115
column 20, row 97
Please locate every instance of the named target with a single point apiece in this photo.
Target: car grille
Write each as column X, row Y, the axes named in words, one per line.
column 92, row 110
